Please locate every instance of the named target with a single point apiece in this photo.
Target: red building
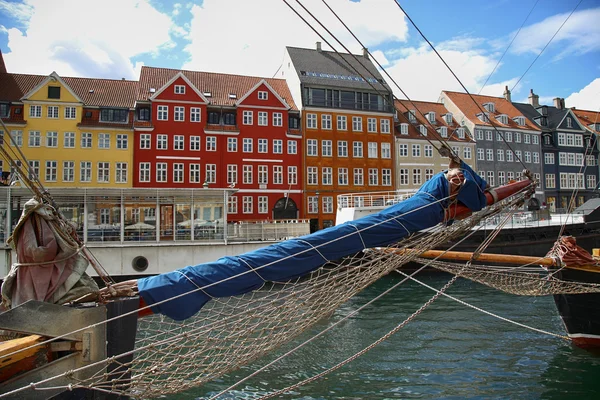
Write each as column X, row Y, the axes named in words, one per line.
column 196, row 129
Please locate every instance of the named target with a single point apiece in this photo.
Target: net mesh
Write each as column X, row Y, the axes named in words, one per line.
column 171, row 357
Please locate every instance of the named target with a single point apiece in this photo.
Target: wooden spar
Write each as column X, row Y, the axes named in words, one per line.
column 459, row 211
column 488, row 257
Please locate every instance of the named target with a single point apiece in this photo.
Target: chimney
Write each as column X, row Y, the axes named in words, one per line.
column 558, row 103
column 365, row 53
column 507, row 94
column 319, row 47
column 534, row 99
column 2, row 65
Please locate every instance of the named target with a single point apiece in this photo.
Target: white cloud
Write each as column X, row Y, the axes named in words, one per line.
column 83, row 46
column 19, row 11
column 578, row 36
column 587, row 98
column 228, row 41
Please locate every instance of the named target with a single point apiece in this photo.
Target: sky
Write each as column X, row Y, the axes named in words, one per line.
column 487, row 44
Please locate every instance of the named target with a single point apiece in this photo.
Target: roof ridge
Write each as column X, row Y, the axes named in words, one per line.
column 213, row 73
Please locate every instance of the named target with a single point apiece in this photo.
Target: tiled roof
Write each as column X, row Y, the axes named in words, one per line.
column 219, row 85
column 104, row 92
column 332, row 69
column 553, row 115
column 422, row 108
column 15, row 86
column 502, row 106
column 587, row 117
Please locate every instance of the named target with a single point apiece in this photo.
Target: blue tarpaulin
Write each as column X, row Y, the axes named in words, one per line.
column 280, row 262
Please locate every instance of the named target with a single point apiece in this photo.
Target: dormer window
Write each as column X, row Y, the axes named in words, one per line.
column 520, row 120
column 404, row 129
column 113, row 115
column 503, row 119
column 423, row 130
column 263, row 95
column 483, row 117
column 412, row 116
column 569, row 122
column 54, row 92
column 232, row 96
column 431, row 117
column 143, row 114
column 207, row 94
column 461, row 133
column 448, row 118
column 179, row 89
column 4, row 107
column 490, row 107
column 443, row 132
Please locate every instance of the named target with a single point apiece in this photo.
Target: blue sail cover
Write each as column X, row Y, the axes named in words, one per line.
column 280, row 262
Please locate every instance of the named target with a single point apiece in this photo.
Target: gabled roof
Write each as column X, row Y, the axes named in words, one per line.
column 173, row 79
column 258, row 84
column 330, row 69
column 587, row 118
column 502, row 106
column 53, row 77
column 554, row 116
column 219, row 85
column 106, row 92
column 424, row 107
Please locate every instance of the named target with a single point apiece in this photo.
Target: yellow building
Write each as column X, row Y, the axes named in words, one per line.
column 74, row 132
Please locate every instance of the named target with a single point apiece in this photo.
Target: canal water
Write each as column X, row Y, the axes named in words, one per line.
column 450, row 351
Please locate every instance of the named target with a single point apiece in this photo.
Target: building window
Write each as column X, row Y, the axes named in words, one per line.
column 591, row 181
column 357, row 149
column 313, row 204
column 145, row 172
column 70, row 112
column 417, row 176
column 467, row 153
column 86, row 140
column 404, row 129
column 161, row 142
column 569, row 122
column 263, row 204
column 536, row 157
column 358, row 177
column 550, row 181
column 509, row 156
column 311, row 147
column 327, row 204
column 161, row 172
column 372, row 125
column 85, row 171
column 247, row 145
column 292, row 147
column 263, row 174
column 104, row 140
column 211, row 173
column 179, row 89
column 163, row 113
column 178, row 142
column 342, row 123
column 247, row 204
column 403, row 150
column 263, row 95
column 35, row 139
column 416, row 150
column 500, row 155
column 292, row 175
column 179, row 114
column 51, row 171
column 373, row 177
column 501, row 178
column 53, row 112
column 428, row 174
column 326, row 148
column 428, row 151
column 232, row 145
column 121, row 172
column 403, row 173
column 195, row 114
column 263, row 145
column 342, row 146
column 327, row 176
column 490, row 178
column 122, row 141
column 277, row 119
column 51, row 139
column 232, row 205
column 326, row 121
column 194, row 173
column 143, row 114
column 211, row 143
column 113, row 115
column 34, row 169
column 490, row 154
column 103, row 172
column 68, row 171
column 69, row 140
column 178, row 173
column 54, row 92
column 145, row 141
column 372, row 150
column 384, row 125
column 247, row 174
column 263, row 118
column 277, row 146
column 357, row 124
column 277, row 175
column 311, row 121
column 247, row 117
column 195, row 143
column 35, row 111
column 386, row 151
column 386, row 177
column 312, row 176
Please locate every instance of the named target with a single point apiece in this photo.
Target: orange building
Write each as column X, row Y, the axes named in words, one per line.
column 347, row 122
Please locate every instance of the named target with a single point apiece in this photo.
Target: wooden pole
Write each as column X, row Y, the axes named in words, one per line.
column 488, row 257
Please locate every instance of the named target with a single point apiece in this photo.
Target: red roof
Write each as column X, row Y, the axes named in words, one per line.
column 421, row 108
column 502, row 106
column 15, row 86
column 219, row 85
column 587, row 117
